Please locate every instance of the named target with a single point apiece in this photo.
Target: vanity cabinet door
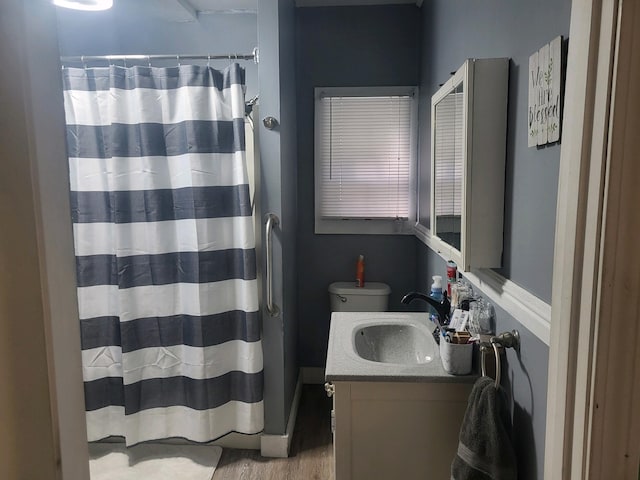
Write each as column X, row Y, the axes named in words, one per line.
column 342, row 430
column 398, row 430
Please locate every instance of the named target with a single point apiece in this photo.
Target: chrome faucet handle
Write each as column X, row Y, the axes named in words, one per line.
column 442, row 308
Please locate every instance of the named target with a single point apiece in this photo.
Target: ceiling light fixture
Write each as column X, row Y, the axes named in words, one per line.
column 91, row 5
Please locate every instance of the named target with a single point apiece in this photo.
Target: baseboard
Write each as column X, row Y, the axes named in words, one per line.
column 313, row 375
column 240, row 441
column 278, row 445
column 231, row 440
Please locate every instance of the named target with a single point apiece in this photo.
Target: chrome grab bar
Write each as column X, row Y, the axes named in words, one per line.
column 272, row 220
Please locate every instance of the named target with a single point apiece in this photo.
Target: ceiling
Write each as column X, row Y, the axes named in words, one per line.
column 215, row 6
column 189, row 10
column 345, row 3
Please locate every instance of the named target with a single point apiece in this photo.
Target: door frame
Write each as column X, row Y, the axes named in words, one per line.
column 35, row 62
column 591, row 425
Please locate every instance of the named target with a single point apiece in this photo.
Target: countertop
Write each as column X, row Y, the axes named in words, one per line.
column 344, row 364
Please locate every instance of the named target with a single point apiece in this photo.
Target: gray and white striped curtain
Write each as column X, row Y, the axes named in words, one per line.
column 165, row 252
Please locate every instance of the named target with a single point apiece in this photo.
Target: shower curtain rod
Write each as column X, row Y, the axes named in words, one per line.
column 93, row 58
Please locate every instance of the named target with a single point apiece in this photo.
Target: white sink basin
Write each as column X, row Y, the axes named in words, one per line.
column 385, row 347
column 397, row 343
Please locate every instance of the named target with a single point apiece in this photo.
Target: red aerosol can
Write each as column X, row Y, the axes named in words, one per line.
column 360, row 271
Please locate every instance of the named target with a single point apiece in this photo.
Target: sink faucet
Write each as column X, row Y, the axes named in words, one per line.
column 442, row 308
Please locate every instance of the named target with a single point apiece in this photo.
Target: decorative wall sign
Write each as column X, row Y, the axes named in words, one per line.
column 545, row 71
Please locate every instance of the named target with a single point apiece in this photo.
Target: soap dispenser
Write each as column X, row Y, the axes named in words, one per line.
column 436, row 288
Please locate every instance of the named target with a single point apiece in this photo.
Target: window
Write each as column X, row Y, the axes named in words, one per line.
column 365, row 149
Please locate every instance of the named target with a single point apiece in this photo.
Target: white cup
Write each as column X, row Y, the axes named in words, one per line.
column 456, row 357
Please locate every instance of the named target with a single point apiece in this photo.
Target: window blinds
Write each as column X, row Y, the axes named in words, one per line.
column 364, row 150
column 449, row 154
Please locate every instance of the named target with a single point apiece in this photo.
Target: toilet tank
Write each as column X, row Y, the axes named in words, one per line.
column 346, row 297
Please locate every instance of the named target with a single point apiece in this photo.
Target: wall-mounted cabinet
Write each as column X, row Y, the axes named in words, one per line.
column 468, row 142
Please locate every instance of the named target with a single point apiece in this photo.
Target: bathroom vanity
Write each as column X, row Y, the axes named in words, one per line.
column 396, row 412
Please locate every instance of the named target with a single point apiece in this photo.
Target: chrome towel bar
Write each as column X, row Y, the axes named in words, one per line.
column 506, row 340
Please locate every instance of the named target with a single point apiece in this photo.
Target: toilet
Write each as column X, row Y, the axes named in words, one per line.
column 346, row 297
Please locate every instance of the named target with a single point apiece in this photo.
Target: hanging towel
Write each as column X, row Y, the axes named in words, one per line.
column 485, row 451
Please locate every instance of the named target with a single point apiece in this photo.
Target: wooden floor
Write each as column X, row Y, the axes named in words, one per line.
column 311, row 456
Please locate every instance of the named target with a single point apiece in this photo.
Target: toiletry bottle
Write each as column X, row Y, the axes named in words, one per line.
column 436, row 288
column 436, row 292
column 360, row 271
column 452, row 275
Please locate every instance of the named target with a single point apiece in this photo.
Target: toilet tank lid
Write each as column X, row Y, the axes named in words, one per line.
column 349, row 288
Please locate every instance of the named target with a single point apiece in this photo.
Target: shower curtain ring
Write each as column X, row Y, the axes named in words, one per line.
column 149, row 60
column 83, row 62
column 209, row 61
column 178, row 59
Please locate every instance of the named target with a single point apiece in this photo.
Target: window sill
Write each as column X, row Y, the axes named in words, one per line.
column 364, row 227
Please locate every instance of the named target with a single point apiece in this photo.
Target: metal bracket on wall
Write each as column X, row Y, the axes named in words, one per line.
column 270, row 123
column 505, row 340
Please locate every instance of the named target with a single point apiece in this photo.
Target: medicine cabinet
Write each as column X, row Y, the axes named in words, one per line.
column 468, row 141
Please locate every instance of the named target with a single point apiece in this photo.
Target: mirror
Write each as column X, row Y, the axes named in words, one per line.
column 465, row 201
column 448, row 166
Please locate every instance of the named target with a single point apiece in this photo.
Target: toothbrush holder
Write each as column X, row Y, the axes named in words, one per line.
column 456, row 357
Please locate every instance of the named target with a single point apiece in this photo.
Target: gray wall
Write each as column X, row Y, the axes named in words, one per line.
column 346, row 46
column 454, row 30
column 289, row 192
column 278, row 195
column 128, row 29
column 524, row 378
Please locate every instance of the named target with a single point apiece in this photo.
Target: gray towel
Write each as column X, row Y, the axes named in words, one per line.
column 485, row 451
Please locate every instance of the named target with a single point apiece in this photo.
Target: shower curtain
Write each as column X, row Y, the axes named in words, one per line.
column 165, row 252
